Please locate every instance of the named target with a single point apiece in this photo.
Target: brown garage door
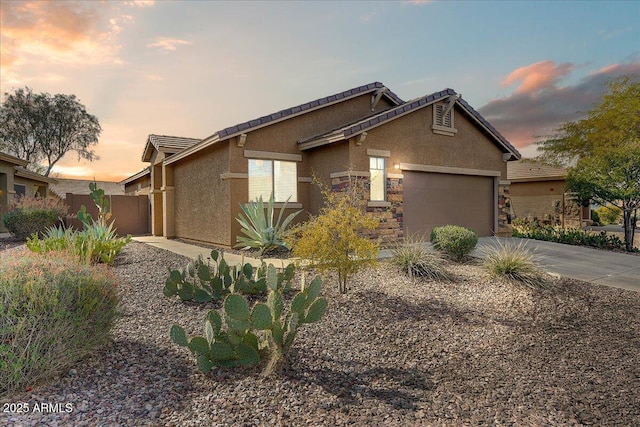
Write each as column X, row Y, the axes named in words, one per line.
column 435, row 199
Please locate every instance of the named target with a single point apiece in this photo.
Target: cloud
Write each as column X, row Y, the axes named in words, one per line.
column 613, row 33
column 539, row 105
column 56, row 32
column 539, row 76
column 167, row 44
column 140, row 3
column 367, row 17
column 419, row 2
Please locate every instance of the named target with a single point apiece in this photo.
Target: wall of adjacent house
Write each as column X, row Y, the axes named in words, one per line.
column 539, row 200
column 140, row 186
column 202, row 203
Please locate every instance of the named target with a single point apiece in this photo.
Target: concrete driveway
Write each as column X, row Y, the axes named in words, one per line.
column 615, row 269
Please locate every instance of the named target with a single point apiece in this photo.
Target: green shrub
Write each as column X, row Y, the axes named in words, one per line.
column 414, row 258
column 257, row 225
column 570, row 236
column 609, row 214
column 33, row 215
column 203, row 282
column 514, row 263
column 455, row 241
column 53, row 312
column 253, row 335
column 97, row 243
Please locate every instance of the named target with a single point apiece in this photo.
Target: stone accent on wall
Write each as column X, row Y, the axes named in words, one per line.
column 390, row 215
column 571, row 212
column 504, row 210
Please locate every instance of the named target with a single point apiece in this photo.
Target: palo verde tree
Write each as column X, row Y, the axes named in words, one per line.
column 602, row 152
column 42, row 128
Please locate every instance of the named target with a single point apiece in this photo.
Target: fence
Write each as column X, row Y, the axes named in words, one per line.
column 130, row 214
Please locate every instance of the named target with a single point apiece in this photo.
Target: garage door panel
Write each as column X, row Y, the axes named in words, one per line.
column 435, row 199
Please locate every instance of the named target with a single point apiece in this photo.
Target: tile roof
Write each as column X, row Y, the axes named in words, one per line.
column 166, row 144
column 404, row 108
column 308, row 106
column 285, row 114
column 531, row 170
column 81, row 186
column 12, row 159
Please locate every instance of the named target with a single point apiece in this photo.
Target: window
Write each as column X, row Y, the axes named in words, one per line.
column 377, row 185
column 20, row 190
column 277, row 176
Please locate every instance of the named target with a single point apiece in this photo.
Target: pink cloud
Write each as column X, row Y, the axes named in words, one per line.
column 168, row 43
column 539, row 76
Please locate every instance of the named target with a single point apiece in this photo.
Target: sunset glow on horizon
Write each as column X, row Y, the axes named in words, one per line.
column 191, row 68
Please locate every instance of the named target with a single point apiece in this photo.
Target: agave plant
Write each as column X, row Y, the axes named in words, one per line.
column 260, row 232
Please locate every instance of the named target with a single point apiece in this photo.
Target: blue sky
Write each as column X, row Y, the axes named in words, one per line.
column 190, row 68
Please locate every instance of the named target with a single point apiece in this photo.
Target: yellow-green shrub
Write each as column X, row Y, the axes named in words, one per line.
column 333, row 240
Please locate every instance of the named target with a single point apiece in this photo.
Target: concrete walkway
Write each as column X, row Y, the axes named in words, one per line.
column 615, row 269
column 192, row 251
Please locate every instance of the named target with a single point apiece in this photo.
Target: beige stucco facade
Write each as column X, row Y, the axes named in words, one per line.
column 196, row 194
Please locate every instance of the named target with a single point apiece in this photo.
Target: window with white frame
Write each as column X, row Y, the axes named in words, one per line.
column 377, row 184
column 277, row 176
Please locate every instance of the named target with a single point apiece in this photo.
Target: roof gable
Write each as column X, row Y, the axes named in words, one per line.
column 379, row 119
column 166, row 144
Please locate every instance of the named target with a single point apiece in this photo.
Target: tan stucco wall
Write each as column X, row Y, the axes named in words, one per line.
column 323, row 161
column 131, row 188
column 202, row 198
column 535, row 199
column 411, row 140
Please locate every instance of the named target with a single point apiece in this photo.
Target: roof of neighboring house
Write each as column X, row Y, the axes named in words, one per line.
column 378, row 119
column 137, row 175
column 81, row 186
column 166, row 144
column 12, row 159
column 24, row 173
column 530, row 170
column 290, row 113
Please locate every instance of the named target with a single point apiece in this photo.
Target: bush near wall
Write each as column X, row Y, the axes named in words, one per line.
column 33, row 215
column 54, row 312
column 454, row 240
column 569, row 236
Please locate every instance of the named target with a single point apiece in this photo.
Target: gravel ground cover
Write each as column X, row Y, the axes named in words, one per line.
column 392, row 352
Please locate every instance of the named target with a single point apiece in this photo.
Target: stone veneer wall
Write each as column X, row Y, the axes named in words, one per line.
column 390, row 229
column 504, row 210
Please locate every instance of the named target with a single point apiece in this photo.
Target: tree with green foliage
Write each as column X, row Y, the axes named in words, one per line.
column 42, row 128
column 602, row 152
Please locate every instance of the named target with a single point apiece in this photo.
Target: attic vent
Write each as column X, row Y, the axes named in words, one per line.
column 443, row 120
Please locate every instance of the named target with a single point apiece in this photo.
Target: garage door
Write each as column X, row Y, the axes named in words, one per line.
column 435, row 199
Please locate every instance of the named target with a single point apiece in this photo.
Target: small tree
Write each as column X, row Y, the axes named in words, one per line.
column 39, row 127
column 602, row 152
column 332, row 241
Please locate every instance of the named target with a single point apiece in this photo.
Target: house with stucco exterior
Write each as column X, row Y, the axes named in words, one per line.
column 16, row 180
column 538, row 194
column 430, row 161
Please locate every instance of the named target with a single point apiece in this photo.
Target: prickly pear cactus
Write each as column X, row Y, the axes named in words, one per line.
column 246, row 336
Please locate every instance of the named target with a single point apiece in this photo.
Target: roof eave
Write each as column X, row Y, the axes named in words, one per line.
column 135, row 176
column 19, row 171
column 213, row 139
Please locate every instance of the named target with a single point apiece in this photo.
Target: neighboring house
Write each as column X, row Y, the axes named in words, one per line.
column 138, row 184
column 427, row 162
column 538, row 193
column 81, row 187
column 15, row 180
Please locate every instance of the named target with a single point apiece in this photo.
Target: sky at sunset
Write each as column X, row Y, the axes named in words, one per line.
column 190, row 68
